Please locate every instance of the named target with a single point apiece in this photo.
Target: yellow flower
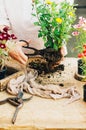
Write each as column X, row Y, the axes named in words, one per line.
column 48, row 2
column 71, row 14
column 59, row 20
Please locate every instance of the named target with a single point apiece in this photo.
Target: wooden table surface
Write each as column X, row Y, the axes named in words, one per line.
column 46, row 114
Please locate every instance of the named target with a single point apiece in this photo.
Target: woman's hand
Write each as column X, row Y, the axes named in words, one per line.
column 64, row 50
column 17, row 53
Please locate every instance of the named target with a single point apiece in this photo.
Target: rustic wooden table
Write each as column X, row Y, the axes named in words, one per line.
column 47, row 114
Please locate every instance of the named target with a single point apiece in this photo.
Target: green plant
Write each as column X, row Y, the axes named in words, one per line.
column 5, row 37
column 80, row 41
column 55, row 21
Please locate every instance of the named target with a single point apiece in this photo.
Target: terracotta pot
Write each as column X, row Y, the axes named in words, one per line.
column 3, row 73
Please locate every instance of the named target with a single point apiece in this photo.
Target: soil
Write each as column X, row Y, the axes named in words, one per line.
column 52, row 59
column 42, row 67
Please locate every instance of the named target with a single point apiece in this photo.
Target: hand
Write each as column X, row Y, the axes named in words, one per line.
column 63, row 50
column 17, row 53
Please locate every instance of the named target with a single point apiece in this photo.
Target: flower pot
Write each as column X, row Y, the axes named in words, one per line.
column 80, row 70
column 11, row 72
column 84, row 92
column 79, row 75
column 3, row 73
column 82, row 67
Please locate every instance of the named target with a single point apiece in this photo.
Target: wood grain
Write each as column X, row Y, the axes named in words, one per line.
column 46, row 114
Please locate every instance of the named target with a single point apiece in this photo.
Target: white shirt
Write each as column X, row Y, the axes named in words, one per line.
column 17, row 14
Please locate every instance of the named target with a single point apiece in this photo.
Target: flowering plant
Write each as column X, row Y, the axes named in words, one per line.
column 55, row 21
column 5, row 36
column 80, row 37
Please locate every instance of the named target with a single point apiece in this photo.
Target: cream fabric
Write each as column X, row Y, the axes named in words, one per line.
column 3, row 16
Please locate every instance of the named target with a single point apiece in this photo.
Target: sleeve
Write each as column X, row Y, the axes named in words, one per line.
column 3, row 15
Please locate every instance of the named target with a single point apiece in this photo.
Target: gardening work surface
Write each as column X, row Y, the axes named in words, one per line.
column 43, row 114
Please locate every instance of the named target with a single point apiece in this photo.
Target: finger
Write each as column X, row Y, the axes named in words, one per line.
column 64, row 50
column 22, row 61
column 16, row 57
column 22, row 55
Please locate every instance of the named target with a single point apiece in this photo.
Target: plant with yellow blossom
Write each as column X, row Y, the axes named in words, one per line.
column 55, row 21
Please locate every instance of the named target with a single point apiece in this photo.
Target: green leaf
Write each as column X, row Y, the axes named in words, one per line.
column 40, row 34
column 36, row 23
column 51, row 31
column 55, row 46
